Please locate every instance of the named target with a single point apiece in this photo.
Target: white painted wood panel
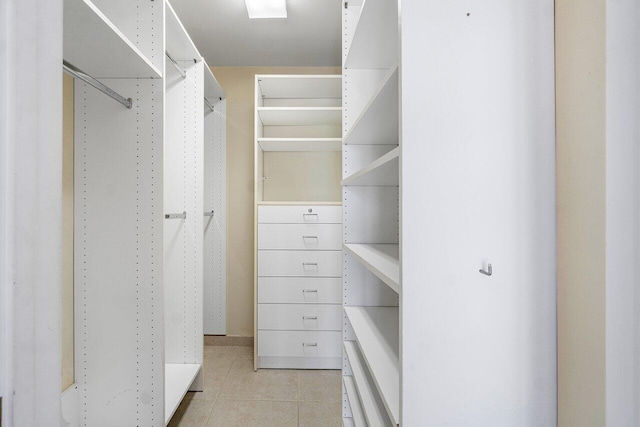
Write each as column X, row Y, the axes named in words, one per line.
column 300, row 263
column 177, row 380
column 308, row 344
column 300, row 214
column 300, row 317
column 381, row 260
column 299, row 116
column 300, row 86
column 299, row 290
column 358, row 419
column 300, row 236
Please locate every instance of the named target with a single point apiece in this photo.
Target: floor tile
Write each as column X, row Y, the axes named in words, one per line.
column 192, row 413
column 232, row 352
column 320, row 386
column 320, row 414
column 259, row 413
column 216, row 370
column 266, row 384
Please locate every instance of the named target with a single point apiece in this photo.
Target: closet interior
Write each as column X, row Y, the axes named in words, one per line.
column 150, row 231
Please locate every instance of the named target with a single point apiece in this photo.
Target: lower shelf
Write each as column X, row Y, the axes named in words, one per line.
column 177, row 380
column 357, row 419
column 372, row 408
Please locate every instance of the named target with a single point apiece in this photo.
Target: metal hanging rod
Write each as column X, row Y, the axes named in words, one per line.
column 79, row 74
column 183, row 215
column 209, row 213
column 208, row 104
column 175, row 64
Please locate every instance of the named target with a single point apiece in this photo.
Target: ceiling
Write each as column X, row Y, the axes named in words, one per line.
column 225, row 36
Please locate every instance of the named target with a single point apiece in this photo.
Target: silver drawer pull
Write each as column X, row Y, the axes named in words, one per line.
column 304, row 216
column 310, row 290
column 309, row 317
column 309, row 344
column 309, row 264
column 309, row 237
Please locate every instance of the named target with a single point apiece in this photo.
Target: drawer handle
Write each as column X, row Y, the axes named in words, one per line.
column 309, row 237
column 309, row 214
column 309, row 344
column 309, row 264
column 309, row 290
column 309, row 317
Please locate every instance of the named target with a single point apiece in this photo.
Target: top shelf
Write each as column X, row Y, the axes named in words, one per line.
column 212, row 89
column 178, row 43
column 96, row 46
column 375, row 40
column 300, row 86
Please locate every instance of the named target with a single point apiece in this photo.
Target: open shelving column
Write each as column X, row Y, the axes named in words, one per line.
column 371, row 184
column 215, row 206
column 183, row 237
column 118, row 169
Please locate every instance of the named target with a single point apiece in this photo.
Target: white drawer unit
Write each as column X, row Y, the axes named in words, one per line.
column 300, row 214
column 300, row 263
column 300, row 317
column 320, row 237
column 300, row 343
column 299, row 287
column 299, row 290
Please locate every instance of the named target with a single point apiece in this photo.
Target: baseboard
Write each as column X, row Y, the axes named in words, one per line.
column 227, row 340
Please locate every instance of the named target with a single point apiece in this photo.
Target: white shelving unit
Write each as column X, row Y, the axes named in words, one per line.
column 297, row 240
column 138, row 274
column 371, row 192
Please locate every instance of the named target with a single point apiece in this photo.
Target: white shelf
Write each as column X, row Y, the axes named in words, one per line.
column 212, row 89
column 383, row 171
column 375, row 41
column 178, row 43
column 378, row 123
column 357, row 419
column 377, row 331
column 374, row 414
column 301, row 86
column 300, row 144
column 381, row 259
column 348, row 422
column 177, row 380
column 94, row 44
column 300, row 116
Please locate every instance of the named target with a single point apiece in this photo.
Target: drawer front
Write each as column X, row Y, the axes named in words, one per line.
column 300, row 214
column 300, row 263
column 300, row 317
column 299, row 290
column 300, row 236
column 299, row 344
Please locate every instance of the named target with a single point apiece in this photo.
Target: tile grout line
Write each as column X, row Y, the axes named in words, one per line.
column 215, row 402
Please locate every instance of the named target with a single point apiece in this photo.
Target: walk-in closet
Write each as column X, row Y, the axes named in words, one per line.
column 356, row 213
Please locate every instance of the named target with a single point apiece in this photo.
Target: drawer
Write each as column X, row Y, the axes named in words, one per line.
column 308, row 214
column 300, row 236
column 300, row 263
column 299, row 290
column 299, row 344
column 300, row 317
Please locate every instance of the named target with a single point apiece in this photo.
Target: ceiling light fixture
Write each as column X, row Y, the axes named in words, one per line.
column 266, row 8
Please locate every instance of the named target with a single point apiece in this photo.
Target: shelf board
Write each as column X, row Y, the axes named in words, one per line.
column 300, row 144
column 212, row 89
column 300, row 116
column 381, row 259
column 348, row 422
column 178, row 43
column 178, row 379
column 276, row 86
column 375, row 40
column 378, row 123
column 94, row 44
column 374, row 414
column 377, row 331
column 357, row 419
column 383, row 171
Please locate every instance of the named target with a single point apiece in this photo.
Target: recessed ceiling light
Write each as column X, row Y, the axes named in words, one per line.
column 266, row 8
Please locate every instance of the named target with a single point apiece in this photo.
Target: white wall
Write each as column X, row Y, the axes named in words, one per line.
column 623, row 213
column 30, row 211
column 478, row 187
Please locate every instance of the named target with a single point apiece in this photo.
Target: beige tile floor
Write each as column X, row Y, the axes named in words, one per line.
column 234, row 395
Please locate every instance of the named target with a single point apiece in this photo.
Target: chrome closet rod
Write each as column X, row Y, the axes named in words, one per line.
column 79, row 74
column 208, row 104
column 175, row 64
